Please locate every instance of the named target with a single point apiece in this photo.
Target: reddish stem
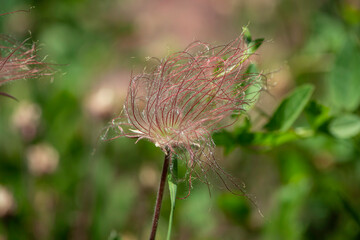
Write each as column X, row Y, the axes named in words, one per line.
column 160, row 195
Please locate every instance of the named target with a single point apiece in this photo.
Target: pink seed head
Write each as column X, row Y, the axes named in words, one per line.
column 17, row 61
column 187, row 96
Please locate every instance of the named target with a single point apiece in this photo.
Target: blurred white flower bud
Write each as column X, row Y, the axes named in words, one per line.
column 101, row 102
column 42, row 159
column 7, row 203
column 108, row 95
column 26, row 119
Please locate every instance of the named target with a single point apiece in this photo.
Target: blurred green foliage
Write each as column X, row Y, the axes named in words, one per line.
column 300, row 161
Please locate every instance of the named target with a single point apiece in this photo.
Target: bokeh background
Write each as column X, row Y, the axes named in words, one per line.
column 58, row 180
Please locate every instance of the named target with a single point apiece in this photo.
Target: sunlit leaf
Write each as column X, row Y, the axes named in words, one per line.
column 345, row 126
column 290, row 109
column 273, row 139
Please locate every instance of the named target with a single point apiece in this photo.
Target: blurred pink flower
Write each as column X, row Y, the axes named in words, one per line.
column 187, row 96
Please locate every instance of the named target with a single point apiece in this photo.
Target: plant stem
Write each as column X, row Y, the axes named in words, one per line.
column 172, row 183
column 160, row 195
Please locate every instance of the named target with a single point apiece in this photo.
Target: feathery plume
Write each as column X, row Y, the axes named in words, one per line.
column 186, row 97
column 19, row 61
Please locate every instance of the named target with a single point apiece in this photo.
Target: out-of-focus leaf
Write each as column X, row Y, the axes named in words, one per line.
column 246, row 138
column 253, row 45
column 243, row 136
column 226, row 139
column 316, row 114
column 114, row 236
column 285, row 217
column 195, row 212
column 344, row 79
column 289, row 109
column 273, row 139
column 235, row 208
column 255, row 82
column 350, row 209
column 345, row 126
column 328, row 35
column 247, row 35
column 240, row 136
column 350, row 13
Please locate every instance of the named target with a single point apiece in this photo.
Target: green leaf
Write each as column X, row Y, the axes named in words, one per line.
column 254, row 45
column 344, row 79
column 246, row 34
column 316, row 114
column 273, row 139
column 243, row 136
column 256, row 84
column 224, row 138
column 290, row 109
column 345, row 126
column 263, row 139
column 172, row 182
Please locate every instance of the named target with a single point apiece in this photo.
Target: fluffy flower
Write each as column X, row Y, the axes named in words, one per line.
column 187, row 96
